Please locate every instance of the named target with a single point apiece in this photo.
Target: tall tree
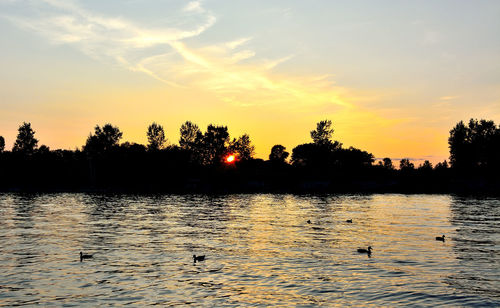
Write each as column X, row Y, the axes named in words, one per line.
column 25, row 142
column 214, row 144
column 323, row 133
column 156, row 137
column 2, row 144
column 243, row 147
column 103, row 139
column 189, row 133
column 278, row 154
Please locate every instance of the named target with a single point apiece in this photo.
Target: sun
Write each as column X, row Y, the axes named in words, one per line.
column 230, row 158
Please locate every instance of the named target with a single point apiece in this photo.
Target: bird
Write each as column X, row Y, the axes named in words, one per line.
column 440, row 238
column 349, row 221
column 368, row 251
column 198, row 258
column 84, row 256
column 308, row 221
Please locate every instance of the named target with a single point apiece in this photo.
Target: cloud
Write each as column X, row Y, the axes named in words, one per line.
column 447, row 98
column 193, row 6
column 68, row 23
column 238, row 42
column 231, row 70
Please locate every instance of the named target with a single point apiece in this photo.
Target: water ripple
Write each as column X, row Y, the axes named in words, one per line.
column 260, row 250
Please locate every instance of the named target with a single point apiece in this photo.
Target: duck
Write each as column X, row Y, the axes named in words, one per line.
column 349, row 221
column 440, row 238
column 84, row 256
column 368, row 251
column 198, row 258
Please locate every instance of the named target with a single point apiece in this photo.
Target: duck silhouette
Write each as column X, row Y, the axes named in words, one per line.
column 198, row 258
column 440, row 238
column 84, row 256
column 349, row 221
column 367, row 251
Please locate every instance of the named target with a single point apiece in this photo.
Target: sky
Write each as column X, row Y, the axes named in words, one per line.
column 393, row 76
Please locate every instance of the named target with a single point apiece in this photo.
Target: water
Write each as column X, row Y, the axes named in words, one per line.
column 260, row 250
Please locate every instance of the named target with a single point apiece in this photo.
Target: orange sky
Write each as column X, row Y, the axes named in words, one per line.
column 394, row 79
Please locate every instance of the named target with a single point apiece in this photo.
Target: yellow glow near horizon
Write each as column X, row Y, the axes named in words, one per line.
column 273, row 79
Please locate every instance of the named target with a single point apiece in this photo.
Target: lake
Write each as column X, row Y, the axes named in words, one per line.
column 260, row 250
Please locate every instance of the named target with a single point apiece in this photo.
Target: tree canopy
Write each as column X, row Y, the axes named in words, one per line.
column 189, row 134
column 156, row 137
column 387, row 163
column 214, row 144
column 103, row 139
column 475, row 145
column 278, row 154
column 26, row 143
column 405, row 165
column 242, row 147
column 198, row 163
column 323, row 133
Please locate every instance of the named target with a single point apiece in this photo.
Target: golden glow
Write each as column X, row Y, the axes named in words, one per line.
column 130, row 73
column 230, row 158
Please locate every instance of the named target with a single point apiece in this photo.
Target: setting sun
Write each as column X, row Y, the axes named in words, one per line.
column 230, row 158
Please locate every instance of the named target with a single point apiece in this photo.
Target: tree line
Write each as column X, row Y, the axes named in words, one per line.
column 200, row 163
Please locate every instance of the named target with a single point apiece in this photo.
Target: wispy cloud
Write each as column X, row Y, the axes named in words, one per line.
column 447, row 98
column 231, row 69
column 193, row 6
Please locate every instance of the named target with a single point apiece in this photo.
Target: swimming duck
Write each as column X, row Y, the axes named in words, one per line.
column 368, row 251
column 349, row 221
column 84, row 256
column 198, row 258
column 440, row 238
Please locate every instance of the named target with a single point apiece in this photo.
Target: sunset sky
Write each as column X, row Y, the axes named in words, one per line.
column 393, row 76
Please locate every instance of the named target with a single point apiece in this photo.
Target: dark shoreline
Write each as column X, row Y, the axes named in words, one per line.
column 463, row 188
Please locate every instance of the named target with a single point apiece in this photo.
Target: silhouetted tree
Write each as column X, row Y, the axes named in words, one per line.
column 311, row 155
column 43, row 150
column 133, row 147
column 322, row 153
column 352, row 158
column 405, row 164
column 189, row 134
column 25, row 142
column 103, row 139
column 196, row 164
column 278, row 154
column 156, row 137
column 323, row 133
column 387, row 163
column 426, row 166
column 441, row 165
column 243, row 147
column 475, row 146
column 213, row 144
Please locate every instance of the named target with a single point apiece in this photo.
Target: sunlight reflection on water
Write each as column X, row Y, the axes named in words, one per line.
column 260, row 250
